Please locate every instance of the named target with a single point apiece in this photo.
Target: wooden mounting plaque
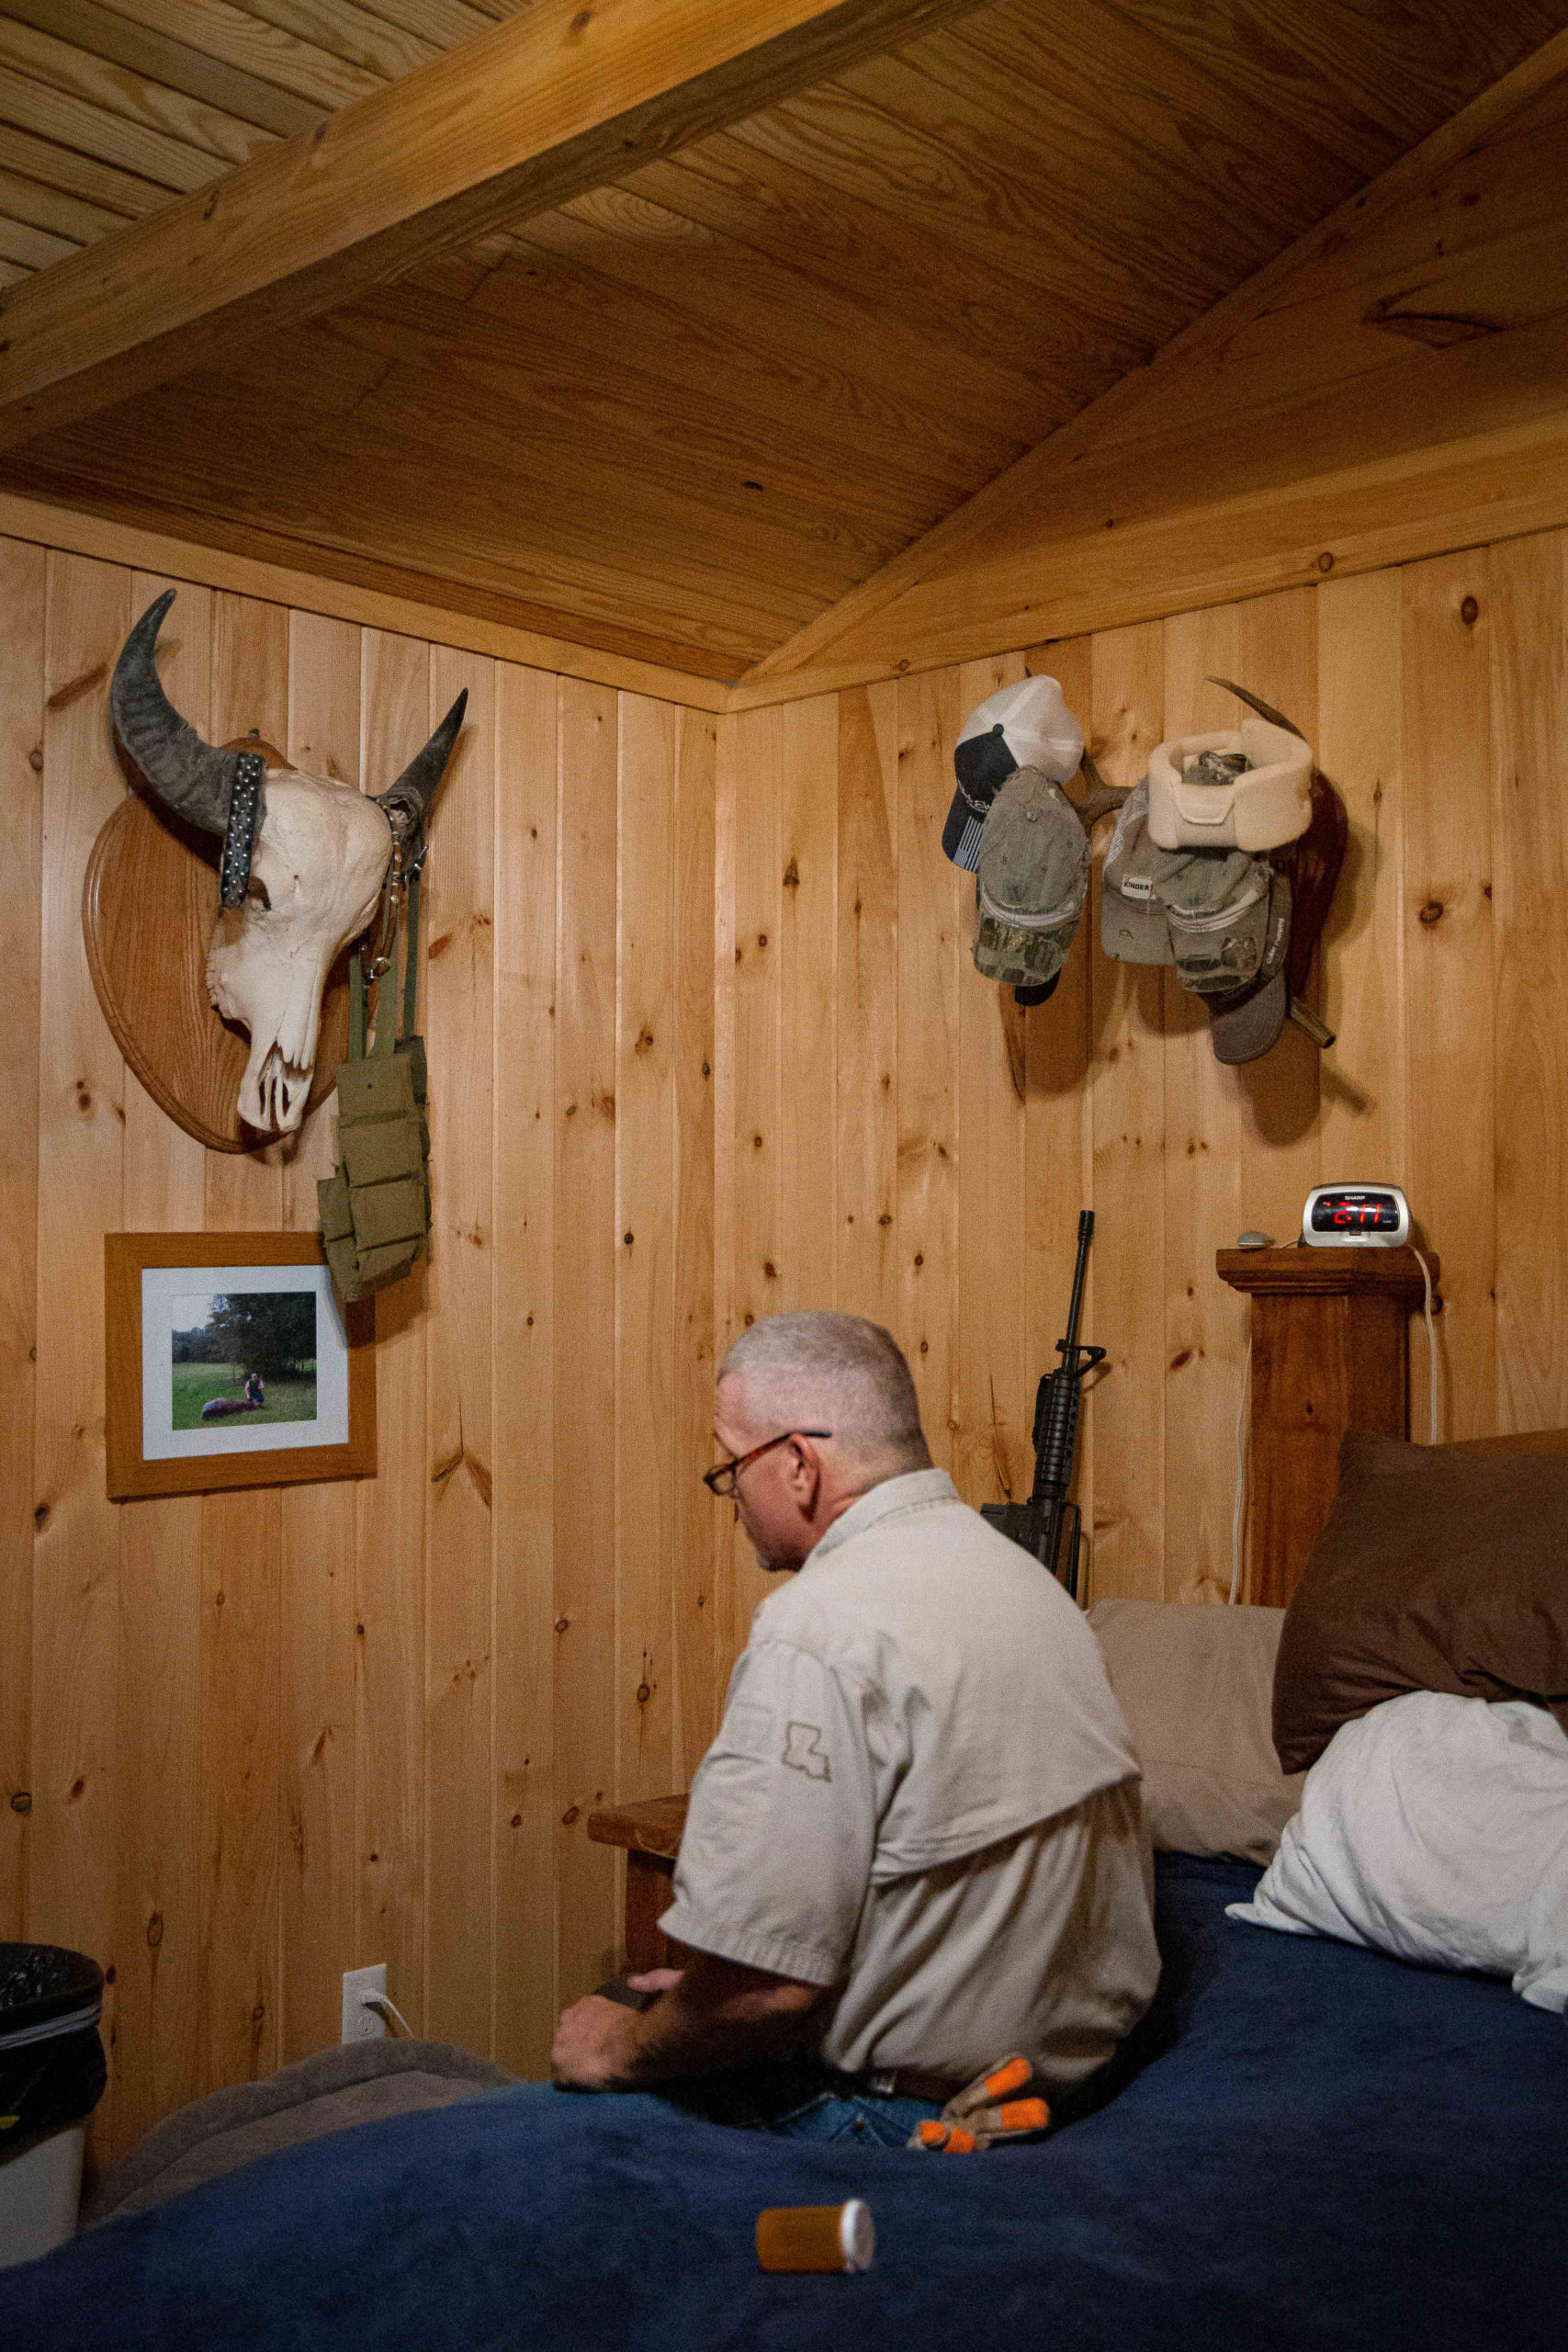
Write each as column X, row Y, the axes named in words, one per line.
column 149, row 904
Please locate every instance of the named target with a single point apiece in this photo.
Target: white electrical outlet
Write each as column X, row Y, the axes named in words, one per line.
column 360, row 2024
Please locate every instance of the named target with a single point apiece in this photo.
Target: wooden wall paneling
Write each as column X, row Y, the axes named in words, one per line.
column 1530, row 849
column 865, row 1280
column 756, row 1049
column 644, row 1466
column 1128, row 1114
column 390, row 1509
column 1058, row 1172
column 21, row 852
column 993, row 1399
column 1449, row 964
column 808, row 882
column 523, row 1272
column 317, row 1861
column 242, row 1789
column 1361, row 748
column 73, row 1827
column 935, row 911
column 695, row 1512
column 726, row 1538
column 586, row 1241
column 201, row 1817
column 459, row 919
column 158, row 1734
column 1206, row 1323
column 1281, row 1129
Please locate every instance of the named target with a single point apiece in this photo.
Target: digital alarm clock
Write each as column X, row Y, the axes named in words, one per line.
column 1372, row 1216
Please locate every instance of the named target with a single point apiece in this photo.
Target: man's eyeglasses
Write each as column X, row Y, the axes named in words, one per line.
column 720, row 1479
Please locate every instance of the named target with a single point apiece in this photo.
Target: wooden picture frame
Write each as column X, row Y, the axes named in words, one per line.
column 151, row 1444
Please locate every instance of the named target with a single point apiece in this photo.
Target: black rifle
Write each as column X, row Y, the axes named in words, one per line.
column 1047, row 1517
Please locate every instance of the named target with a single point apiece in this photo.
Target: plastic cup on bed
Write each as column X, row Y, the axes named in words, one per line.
column 815, row 2238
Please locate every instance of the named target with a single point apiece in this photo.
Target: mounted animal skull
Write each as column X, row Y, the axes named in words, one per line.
column 322, row 853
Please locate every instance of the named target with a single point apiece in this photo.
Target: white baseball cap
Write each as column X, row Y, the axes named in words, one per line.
column 1026, row 726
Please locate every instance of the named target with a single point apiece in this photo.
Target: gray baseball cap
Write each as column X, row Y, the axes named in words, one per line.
column 1132, row 926
column 1244, row 1027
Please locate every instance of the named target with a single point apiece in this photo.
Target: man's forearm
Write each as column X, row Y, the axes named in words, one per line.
column 700, row 2026
column 713, row 2014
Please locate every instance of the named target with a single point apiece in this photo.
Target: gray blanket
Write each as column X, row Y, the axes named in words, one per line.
column 364, row 2082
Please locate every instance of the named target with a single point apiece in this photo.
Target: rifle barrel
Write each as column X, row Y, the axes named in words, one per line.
column 1065, row 1348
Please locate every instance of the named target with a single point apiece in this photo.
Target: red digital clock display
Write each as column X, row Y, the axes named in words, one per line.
column 1355, row 1213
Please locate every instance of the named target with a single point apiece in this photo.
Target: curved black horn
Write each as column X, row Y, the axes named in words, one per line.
column 191, row 777
column 421, row 780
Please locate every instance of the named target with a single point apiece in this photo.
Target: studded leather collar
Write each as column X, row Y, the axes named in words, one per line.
column 244, row 822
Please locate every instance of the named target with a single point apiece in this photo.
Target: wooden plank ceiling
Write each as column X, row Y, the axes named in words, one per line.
column 683, row 415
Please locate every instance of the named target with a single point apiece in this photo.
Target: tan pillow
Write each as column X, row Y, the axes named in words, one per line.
column 1439, row 1569
column 1196, row 1686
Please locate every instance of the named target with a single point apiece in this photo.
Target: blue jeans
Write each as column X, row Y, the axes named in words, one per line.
column 877, row 2122
column 795, row 2102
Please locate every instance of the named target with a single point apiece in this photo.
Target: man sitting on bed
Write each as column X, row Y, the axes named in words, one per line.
column 915, row 1845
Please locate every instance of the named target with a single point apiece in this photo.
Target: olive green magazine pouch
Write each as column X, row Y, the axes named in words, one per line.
column 375, row 1208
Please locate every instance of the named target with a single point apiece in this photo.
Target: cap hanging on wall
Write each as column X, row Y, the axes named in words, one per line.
column 1026, row 726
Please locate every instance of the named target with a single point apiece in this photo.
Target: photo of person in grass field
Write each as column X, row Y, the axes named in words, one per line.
column 244, row 1356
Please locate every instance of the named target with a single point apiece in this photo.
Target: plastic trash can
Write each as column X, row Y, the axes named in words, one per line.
column 51, row 2077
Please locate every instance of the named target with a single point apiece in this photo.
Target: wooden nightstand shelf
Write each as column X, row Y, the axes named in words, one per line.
column 1330, row 1352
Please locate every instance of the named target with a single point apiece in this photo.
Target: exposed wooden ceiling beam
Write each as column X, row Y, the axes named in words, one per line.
column 556, row 101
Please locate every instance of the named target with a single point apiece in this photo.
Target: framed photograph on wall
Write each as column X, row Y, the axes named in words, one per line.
column 230, row 1362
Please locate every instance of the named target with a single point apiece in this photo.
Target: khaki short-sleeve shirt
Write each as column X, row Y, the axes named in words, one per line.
column 923, row 1796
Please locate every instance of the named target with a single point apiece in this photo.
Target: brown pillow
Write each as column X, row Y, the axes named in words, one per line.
column 1193, row 1684
column 1438, row 1571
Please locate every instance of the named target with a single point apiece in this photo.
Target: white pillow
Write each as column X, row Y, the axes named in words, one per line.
column 1435, row 1828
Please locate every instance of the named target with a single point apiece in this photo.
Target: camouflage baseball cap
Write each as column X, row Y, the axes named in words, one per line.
column 1030, row 883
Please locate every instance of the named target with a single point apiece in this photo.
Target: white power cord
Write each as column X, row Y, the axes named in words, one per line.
column 382, row 2005
column 1435, row 1437
column 1240, row 1472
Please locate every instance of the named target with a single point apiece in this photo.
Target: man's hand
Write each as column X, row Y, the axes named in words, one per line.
column 711, row 2014
column 595, row 2044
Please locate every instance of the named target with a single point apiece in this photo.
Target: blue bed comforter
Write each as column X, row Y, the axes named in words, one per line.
column 1322, row 2148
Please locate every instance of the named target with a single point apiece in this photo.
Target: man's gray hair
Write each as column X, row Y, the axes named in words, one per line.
column 817, row 1369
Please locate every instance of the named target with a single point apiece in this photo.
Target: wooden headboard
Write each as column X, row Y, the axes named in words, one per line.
column 1533, row 1442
